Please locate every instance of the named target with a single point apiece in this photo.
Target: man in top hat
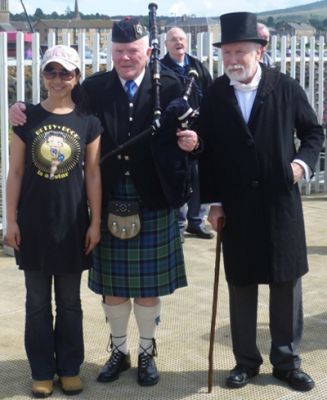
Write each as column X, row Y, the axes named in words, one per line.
column 249, row 172
column 150, row 264
column 180, row 62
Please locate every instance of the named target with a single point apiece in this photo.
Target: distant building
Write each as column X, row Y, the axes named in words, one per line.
column 5, row 25
column 74, row 27
column 195, row 25
column 21, row 26
column 76, row 11
column 298, row 29
column 4, row 11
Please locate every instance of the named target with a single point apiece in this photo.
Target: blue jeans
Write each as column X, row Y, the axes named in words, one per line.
column 53, row 348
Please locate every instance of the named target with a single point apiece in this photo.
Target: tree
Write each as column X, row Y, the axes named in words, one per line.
column 38, row 14
column 270, row 21
column 54, row 15
column 68, row 12
column 317, row 23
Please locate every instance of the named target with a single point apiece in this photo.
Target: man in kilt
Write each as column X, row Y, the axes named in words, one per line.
column 150, row 264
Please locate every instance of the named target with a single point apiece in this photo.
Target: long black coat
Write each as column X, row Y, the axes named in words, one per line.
column 247, row 167
column 157, row 165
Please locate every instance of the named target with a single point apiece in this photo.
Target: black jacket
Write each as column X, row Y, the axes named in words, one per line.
column 201, row 83
column 157, row 165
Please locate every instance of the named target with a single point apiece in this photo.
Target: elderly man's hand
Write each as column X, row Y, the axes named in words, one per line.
column 187, row 140
column 298, row 171
column 215, row 213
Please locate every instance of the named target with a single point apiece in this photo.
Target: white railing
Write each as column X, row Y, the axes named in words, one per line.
column 303, row 59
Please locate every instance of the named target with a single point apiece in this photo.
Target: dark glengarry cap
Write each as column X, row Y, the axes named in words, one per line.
column 128, row 30
column 239, row 27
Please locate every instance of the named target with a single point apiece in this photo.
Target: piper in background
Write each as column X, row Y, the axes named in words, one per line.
column 192, row 214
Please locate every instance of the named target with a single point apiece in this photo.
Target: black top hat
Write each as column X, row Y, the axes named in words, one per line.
column 239, row 27
column 128, row 30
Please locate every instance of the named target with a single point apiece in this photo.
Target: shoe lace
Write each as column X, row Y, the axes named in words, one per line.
column 148, row 353
column 114, row 350
column 114, row 359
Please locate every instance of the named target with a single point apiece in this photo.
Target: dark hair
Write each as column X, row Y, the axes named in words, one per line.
column 55, row 133
column 80, row 98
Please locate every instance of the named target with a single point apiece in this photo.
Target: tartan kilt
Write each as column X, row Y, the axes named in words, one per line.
column 149, row 265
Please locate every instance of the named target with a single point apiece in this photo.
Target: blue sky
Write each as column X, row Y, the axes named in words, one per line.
column 165, row 7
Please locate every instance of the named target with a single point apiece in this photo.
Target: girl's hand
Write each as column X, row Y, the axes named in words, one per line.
column 12, row 237
column 92, row 238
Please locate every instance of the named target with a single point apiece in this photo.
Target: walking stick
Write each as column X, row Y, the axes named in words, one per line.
column 220, row 224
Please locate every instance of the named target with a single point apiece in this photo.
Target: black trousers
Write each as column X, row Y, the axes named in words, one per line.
column 286, row 324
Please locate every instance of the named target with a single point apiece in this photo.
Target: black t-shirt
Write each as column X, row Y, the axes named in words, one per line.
column 52, row 211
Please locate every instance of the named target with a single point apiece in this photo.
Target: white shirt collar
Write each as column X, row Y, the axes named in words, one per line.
column 137, row 80
column 247, row 87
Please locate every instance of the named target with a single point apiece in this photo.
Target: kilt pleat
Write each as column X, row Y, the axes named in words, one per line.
column 149, row 265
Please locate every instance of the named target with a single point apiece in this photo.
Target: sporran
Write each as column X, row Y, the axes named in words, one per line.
column 124, row 219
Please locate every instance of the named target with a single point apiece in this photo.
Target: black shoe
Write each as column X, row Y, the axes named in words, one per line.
column 200, row 231
column 240, row 376
column 147, row 374
column 296, row 379
column 117, row 363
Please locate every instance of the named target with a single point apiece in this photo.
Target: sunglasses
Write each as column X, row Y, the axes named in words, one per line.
column 63, row 74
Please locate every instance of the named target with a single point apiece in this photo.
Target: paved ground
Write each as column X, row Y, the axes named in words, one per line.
column 183, row 336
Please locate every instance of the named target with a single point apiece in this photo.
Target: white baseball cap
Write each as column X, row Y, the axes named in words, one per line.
column 64, row 55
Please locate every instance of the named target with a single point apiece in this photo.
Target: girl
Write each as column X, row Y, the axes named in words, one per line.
column 53, row 218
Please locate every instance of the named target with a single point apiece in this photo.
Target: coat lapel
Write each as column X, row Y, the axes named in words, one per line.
column 114, row 97
column 269, row 79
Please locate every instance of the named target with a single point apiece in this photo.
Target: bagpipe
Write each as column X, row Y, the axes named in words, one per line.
column 178, row 110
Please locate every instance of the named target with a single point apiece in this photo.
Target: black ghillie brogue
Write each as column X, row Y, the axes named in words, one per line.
column 117, row 363
column 147, row 373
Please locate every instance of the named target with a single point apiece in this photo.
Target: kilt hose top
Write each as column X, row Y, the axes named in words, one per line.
column 148, row 265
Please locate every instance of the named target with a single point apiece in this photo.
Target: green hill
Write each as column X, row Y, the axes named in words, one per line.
column 316, row 10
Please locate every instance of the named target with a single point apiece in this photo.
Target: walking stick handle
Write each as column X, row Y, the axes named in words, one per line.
column 220, row 224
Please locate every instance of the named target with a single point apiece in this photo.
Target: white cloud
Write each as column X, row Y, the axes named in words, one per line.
column 179, row 8
column 165, row 7
column 208, row 5
column 15, row 7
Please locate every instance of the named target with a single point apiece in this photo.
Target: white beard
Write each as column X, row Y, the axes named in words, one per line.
column 239, row 72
